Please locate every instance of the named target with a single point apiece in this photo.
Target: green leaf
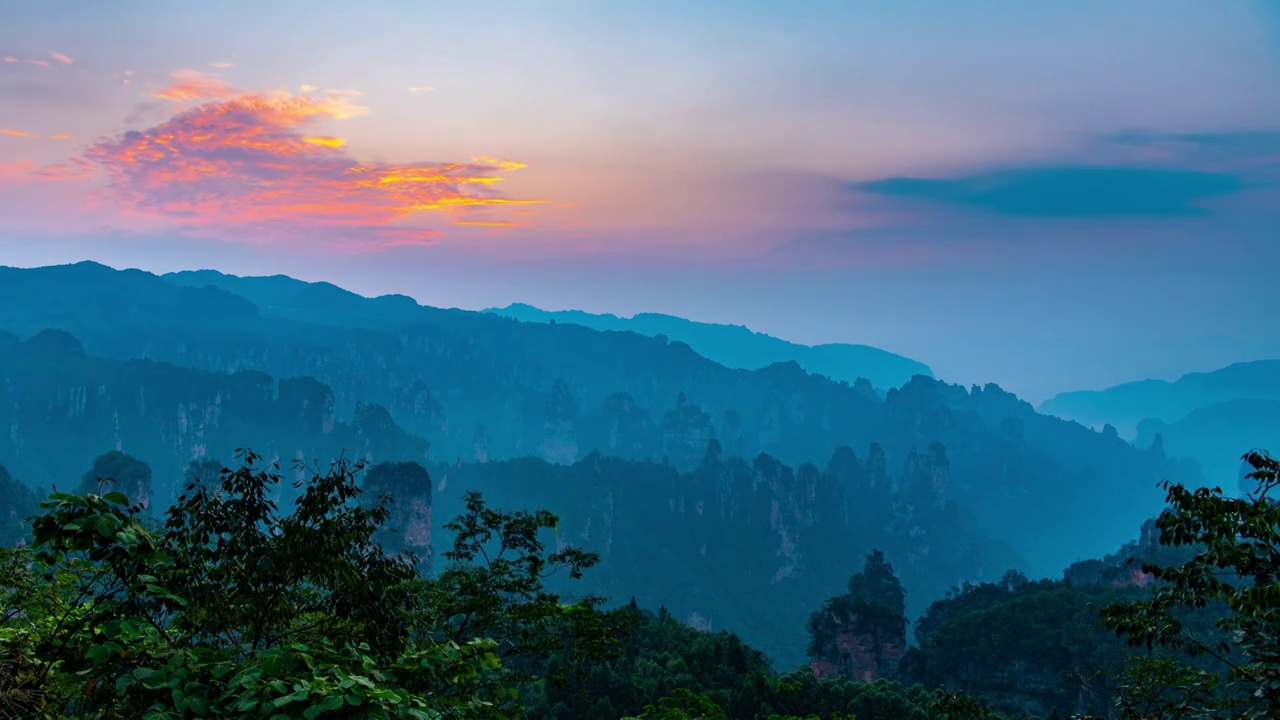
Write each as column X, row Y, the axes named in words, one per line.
column 332, row 702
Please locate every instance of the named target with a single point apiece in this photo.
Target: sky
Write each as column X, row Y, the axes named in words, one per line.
column 1049, row 196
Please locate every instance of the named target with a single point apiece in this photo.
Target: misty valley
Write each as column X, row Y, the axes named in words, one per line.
column 228, row 496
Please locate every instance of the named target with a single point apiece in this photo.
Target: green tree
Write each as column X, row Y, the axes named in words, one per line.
column 234, row 609
column 878, row 584
column 408, row 485
column 1236, row 570
column 116, row 471
column 494, row 587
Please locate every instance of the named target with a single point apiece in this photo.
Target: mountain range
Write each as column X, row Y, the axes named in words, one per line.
column 656, row 456
column 1211, row 417
column 736, row 346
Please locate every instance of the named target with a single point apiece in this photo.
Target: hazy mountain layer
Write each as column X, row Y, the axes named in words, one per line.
column 1211, row 417
column 751, row 547
column 481, row 387
column 1124, row 406
column 1216, row 436
column 744, row 546
column 62, row 408
column 736, row 346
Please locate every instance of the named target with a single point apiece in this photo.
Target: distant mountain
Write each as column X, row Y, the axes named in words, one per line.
column 730, row 544
column 736, row 346
column 1216, row 436
column 1211, row 418
column 1124, row 406
column 480, row 387
column 61, row 408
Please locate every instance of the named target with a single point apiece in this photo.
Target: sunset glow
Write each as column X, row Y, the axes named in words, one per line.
column 901, row 162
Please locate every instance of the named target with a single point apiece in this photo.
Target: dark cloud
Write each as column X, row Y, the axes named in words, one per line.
column 1263, row 140
column 1067, row 191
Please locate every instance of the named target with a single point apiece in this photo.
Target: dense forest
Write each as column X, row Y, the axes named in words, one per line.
column 231, row 605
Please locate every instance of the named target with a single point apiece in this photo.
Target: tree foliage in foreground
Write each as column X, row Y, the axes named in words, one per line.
column 1236, row 573
column 232, row 608
column 228, row 607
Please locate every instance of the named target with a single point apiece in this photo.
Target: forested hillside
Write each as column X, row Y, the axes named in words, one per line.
column 746, row 545
column 235, row 607
column 479, row 387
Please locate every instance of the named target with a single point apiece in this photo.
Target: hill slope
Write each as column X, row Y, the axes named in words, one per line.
column 736, row 346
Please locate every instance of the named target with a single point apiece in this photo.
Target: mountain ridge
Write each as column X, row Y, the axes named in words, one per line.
column 750, row 350
column 1125, row 405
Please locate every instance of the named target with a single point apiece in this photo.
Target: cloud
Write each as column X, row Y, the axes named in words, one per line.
column 1067, row 190
column 40, row 62
column 222, row 64
column 28, row 171
column 29, row 136
column 191, row 85
column 306, row 88
column 417, row 89
column 1246, row 151
column 246, row 168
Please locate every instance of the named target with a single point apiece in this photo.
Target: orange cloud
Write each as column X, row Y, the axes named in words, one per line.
column 244, row 168
column 306, row 88
column 333, row 142
column 60, row 57
column 191, row 85
column 29, row 136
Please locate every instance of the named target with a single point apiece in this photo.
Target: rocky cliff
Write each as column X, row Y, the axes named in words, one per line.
column 63, row 408
column 861, row 635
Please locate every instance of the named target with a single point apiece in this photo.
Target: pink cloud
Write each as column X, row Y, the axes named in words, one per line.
column 246, row 167
column 28, row 171
column 191, row 85
column 60, row 57
column 29, row 136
